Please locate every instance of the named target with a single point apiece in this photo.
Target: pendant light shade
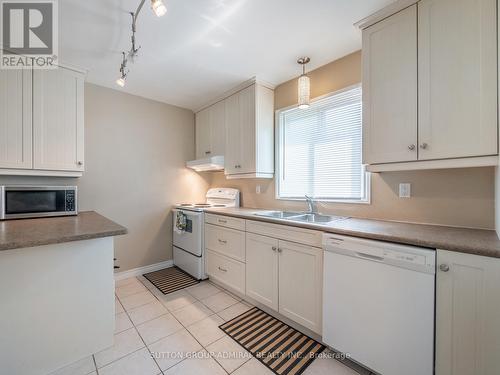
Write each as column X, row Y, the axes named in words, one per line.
column 304, row 85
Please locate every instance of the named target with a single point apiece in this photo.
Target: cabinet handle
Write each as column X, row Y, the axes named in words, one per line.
column 424, row 146
column 444, row 267
column 222, row 241
column 79, row 163
column 208, row 152
column 411, row 147
column 222, row 221
column 274, row 248
column 279, row 250
column 222, row 269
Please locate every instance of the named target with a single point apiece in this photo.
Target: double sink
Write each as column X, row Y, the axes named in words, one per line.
column 300, row 216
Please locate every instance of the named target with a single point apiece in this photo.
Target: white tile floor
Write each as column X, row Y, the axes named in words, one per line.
column 149, row 325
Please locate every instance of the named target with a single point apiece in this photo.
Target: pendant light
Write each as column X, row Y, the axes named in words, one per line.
column 304, row 84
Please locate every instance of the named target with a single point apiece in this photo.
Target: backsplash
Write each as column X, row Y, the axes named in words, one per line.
column 455, row 197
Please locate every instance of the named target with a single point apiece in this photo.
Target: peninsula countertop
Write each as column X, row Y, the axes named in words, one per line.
column 16, row 234
column 472, row 241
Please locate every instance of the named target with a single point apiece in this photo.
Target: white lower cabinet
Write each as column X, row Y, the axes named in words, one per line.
column 286, row 277
column 467, row 314
column 225, row 270
column 300, row 284
column 262, row 267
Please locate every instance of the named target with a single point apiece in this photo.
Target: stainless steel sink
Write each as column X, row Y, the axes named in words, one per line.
column 300, row 216
column 278, row 214
column 317, row 218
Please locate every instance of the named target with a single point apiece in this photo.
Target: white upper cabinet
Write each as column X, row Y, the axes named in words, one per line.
column 203, row 141
column 457, row 78
column 15, row 119
column 390, row 89
column 233, row 135
column 250, row 133
column 218, row 128
column 58, row 128
column 211, row 131
column 430, row 85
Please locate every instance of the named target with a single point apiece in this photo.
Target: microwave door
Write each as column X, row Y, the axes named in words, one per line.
column 191, row 238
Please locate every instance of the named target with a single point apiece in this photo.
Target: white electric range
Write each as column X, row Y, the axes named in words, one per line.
column 189, row 241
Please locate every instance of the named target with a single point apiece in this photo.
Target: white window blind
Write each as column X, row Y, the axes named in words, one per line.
column 320, row 149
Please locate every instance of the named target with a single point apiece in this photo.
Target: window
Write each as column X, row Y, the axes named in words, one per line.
column 319, row 150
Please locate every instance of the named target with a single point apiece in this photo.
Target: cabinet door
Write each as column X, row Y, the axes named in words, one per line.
column 218, row 128
column 58, row 130
column 203, row 134
column 247, row 132
column 390, row 89
column 467, row 315
column 262, row 269
column 233, row 135
column 300, row 284
column 15, row 119
column 457, row 78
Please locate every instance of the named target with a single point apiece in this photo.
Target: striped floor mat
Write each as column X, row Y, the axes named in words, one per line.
column 283, row 349
column 170, row 279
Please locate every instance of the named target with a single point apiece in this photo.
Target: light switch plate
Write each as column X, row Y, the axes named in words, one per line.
column 405, row 190
column 258, row 189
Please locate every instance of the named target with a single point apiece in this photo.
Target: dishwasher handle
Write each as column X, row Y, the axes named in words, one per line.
column 370, row 257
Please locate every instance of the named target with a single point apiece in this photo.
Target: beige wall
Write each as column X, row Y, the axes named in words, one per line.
column 459, row 197
column 135, row 154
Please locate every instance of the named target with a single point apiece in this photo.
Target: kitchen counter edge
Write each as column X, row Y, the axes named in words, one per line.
column 481, row 242
column 24, row 233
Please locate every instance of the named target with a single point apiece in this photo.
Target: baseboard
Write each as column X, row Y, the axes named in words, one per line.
column 134, row 272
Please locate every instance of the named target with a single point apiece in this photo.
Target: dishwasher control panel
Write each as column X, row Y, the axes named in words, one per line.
column 410, row 257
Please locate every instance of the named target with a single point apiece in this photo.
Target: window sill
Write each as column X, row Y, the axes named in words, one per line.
column 346, row 201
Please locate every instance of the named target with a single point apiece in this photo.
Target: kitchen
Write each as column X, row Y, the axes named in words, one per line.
column 395, row 252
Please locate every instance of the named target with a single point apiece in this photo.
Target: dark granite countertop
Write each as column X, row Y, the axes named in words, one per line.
column 464, row 240
column 15, row 234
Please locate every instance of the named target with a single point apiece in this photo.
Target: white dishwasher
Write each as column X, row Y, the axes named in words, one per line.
column 378, row 304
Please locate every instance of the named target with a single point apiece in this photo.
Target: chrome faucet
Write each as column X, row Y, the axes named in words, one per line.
column 311, row 204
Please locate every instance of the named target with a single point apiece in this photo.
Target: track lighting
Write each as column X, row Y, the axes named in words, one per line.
column 121, row 81
column 158, row 7
column 304, row 84
column 123, row 74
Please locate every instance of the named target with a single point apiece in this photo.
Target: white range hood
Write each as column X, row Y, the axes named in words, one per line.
column 213, row 163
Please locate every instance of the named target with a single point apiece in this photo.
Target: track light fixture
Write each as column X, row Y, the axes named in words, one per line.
column 158, row 7
column 159, row 10
column 123, row 74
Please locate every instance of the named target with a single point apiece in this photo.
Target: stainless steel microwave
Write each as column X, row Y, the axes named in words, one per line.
column 20, row 202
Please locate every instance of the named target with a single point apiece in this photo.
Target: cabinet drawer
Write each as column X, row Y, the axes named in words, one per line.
column 225, row 221
column 227, row 241
column 285, row 232
column 226, row 271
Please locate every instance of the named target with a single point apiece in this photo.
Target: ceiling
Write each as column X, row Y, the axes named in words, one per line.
column 203, row 48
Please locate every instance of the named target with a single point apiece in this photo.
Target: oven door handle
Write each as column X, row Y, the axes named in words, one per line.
column 189, row 213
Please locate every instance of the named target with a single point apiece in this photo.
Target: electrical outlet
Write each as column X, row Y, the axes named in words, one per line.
column 257, row 189
column 405, row 190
